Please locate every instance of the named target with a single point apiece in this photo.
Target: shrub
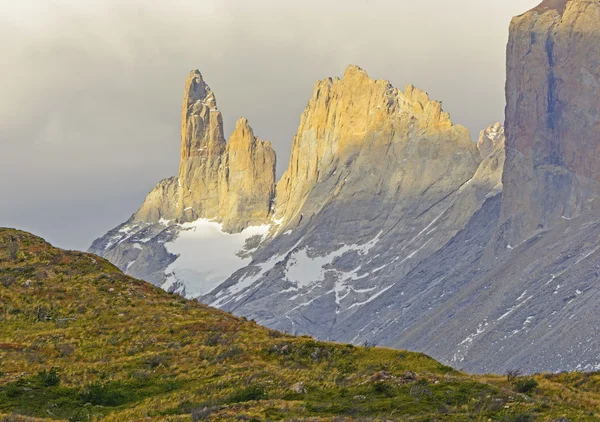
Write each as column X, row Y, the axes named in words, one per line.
column 213, row 340
column 275, row 334
column 383, row 389
column 512, row 375
column 12, row 390
column 233, row 352
column 369, row 345
column 104, row 395
column 7, row 280
column 49, row 379
column 157, row 360
column 525, row 385
column 250, row 393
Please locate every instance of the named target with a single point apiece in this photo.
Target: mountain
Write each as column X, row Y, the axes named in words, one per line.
column 378, row 180
column 392, row 182
column 529, row 300
column 79, row 340
column 391, row 226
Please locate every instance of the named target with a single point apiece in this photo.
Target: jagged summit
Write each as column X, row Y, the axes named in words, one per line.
column 201, row 121
column 352, row 117
column 214, row 174
column 226, row 187
column 196, row 89
column 558, row 5
column 354, row 71
column 490, row 138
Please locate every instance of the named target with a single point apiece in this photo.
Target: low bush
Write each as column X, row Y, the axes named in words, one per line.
column 49, row 378
column 383, row 389
column 250, row 393
column 525, row 385
column 523, row 417
column 104, row 395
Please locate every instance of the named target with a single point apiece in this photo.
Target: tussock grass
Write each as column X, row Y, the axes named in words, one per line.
column 80, row 341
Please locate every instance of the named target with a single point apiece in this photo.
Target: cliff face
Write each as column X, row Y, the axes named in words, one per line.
column 246, row 180
column 356, row 121
column 231, row 182
column 552, row 117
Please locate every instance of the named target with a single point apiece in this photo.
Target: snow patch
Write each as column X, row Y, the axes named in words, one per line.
column 372, row 298
column 129, row 264
column 207, row 256
column 464, row 346
column 304, row 270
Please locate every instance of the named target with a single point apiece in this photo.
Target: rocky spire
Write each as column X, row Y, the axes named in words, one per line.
column 229, row 182
column 246, row 179
column 201, row 121
column 552, row 118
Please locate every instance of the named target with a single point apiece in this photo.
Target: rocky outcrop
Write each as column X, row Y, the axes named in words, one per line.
column 490, row 138
column 230, row 182
column 552, row 118
column 246, row 180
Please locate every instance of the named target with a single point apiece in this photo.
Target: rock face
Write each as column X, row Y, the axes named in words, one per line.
column 489, row 139
column 552, row 117
column 233, row 182
column 348, row 123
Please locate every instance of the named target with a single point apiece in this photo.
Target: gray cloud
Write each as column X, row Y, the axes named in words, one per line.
column 90, row 91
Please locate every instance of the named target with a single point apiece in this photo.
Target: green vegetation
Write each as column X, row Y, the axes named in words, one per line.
column 525, row 385
column 80, row 341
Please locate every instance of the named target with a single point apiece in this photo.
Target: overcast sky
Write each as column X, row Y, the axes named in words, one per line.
column 90, row 91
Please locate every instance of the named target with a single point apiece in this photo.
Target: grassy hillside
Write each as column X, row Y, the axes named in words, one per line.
column 81, row 341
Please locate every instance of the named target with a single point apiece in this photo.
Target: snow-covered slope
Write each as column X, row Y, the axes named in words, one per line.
column 207, row 256
column 190, row 259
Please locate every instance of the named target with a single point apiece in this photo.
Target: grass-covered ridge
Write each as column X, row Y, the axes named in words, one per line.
column 81, row 341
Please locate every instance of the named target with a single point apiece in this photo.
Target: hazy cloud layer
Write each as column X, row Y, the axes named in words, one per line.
column 90, row 91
